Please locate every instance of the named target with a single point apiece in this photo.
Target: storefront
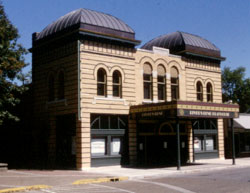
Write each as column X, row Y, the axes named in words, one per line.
column 241, row 134
column 108, row 139
column 205, row 138
column 180, row 131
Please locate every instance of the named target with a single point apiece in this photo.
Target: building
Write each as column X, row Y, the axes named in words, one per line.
column 100, row 101
column 241, row 134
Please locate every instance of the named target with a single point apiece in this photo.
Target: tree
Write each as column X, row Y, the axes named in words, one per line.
column 236, row 88
column 11, row 64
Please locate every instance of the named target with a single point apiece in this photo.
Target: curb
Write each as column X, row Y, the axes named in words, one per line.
column 24, row 188
column 190, row 171
column 99, row 180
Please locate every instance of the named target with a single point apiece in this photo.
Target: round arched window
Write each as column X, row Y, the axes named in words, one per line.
column 101, row 82
column 117, row 84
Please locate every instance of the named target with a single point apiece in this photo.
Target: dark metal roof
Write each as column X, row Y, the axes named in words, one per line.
column 185, row 43
column 91, row 21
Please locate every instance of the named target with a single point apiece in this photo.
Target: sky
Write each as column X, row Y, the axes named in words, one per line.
column 225, row 23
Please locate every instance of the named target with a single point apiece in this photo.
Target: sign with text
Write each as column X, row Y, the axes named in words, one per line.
column 206, row 114
column 152, row 114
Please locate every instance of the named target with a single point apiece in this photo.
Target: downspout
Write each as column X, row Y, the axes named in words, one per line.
column 78, row 78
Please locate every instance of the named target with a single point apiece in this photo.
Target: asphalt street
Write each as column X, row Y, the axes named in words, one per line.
column 231, row 180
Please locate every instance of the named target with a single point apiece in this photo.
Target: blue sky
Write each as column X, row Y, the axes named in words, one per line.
column 226, row 23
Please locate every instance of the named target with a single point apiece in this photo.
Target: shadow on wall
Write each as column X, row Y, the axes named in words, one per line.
column 20, row 142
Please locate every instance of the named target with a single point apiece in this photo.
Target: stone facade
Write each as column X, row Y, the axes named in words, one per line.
column 78, row 60
column 129, row 62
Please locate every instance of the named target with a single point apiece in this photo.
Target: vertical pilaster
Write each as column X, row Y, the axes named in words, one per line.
column 132, row 141
column 221, row 139
column 190, row 142
column 168, row 87
column 83, row 142
column 155, row 86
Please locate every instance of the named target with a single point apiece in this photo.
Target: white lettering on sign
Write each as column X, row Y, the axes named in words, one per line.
column 209, row 113
column 152, row 114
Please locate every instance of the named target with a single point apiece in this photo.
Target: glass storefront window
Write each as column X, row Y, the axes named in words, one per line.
column 107, row 135
column 205, row 124
column 103, row 121
column 209, row 144
column 98, row 146
column 199, row 144
column 205, row 143
column 116, row 146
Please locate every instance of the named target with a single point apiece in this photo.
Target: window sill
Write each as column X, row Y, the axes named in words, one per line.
column 147, row 101
column 109, row 98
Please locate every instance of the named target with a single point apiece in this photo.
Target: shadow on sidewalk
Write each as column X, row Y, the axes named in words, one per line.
column 158, row 166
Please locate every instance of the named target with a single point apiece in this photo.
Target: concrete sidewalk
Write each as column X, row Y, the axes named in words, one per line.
column 199, row 165
column 19, row 178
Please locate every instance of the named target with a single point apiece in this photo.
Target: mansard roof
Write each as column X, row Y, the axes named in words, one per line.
column 182, row 43
column 91, row 22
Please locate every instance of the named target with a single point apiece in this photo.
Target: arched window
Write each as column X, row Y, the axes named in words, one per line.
column 51, row 88
column 174, row 83
column 101, row 82
column 161, row 82
column 199, row 91
column 147, row 81
column 60, row 89
column 209, row 92
column 117, row 84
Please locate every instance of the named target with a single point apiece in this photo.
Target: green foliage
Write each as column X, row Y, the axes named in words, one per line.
column 11, row 64
column 236, row 87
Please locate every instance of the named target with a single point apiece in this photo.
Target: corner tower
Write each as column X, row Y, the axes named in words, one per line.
column 82, row 67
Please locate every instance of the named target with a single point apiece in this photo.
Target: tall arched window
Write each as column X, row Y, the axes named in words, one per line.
column 174, row 83
column 199, row 91
column 147, row 81
column 60, row 89
column 209, row 92
column 161, row 82
column 51, row 88
column 101, row 82
column 117, row 84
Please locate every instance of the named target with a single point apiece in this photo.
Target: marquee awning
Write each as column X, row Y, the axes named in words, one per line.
column 188, row 109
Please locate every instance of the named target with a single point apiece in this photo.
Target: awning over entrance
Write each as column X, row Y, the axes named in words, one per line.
column 177, row 111
column 185, row 109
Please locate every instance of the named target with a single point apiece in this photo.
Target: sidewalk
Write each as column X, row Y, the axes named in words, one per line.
column 199, row 165
column 19, row 178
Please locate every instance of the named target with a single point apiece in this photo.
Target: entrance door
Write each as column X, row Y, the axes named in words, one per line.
column 205, row 138
column 65, row 141
column 161, row 150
